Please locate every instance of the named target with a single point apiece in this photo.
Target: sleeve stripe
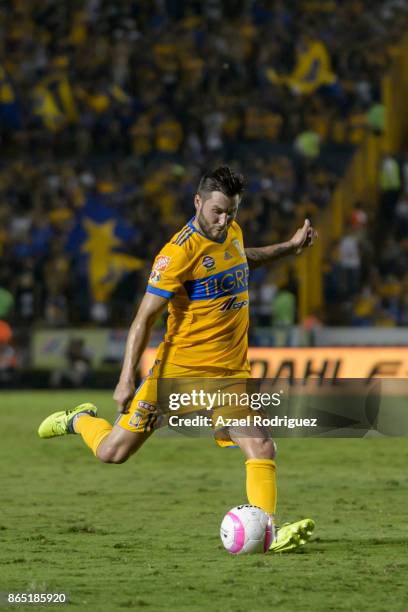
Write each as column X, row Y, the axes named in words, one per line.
column 161, row 292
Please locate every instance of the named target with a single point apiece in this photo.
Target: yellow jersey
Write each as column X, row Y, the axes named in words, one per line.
column 206, row 282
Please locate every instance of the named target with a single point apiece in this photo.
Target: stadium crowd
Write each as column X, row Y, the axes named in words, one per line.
column 119, row 106
column 366, row 272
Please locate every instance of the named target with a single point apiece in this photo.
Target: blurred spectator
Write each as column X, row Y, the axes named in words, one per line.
column 401, row 217
column 6, row 303
column 314, row 321
column 307, row 144
column 25, row 298
column 8, row 357
column 284, row 307
column 78, row 370
column 349, row 262
column 262, row 297
column 364, row 307
column 376, row 118
column 390, row 184
column 359, row 216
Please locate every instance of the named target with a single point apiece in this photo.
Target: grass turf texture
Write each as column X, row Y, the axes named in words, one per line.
column 145, row 534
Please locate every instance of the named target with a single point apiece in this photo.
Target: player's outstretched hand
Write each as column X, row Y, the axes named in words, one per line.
column 123, row 396
column 303, row 237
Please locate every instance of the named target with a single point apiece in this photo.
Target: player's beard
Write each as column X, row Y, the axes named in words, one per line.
column 207, row 229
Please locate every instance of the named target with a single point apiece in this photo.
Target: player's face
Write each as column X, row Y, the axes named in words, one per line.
column 215, row 214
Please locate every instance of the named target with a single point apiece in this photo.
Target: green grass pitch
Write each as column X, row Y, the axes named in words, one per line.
column 146, row 534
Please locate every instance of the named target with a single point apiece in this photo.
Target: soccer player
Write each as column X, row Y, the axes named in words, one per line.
column 202, row 276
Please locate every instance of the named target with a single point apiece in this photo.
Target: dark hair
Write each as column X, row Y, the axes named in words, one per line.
column 221, row 179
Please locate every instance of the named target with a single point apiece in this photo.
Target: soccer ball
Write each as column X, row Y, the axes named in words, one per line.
column 246, row 529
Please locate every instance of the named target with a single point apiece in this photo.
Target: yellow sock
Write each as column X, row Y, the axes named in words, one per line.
column 261, row 483
column 92, row 430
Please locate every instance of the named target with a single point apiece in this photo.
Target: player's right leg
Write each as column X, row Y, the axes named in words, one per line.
column 109, row 444
column 120, row 444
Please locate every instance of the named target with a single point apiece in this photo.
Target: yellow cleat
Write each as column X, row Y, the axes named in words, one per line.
column 60, row 423
column 292, row 536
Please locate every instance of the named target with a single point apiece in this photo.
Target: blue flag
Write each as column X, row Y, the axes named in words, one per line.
column 98, row 242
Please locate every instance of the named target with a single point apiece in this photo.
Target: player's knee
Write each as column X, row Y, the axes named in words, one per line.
column 112, row 454
column 264, row 448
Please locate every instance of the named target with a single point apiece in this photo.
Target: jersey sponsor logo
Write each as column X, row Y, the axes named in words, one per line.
column 228, row 282
column 208, row 262
column 161, row 263
column 233, row 304
column 227, row 255
column 239, row 247
column 146, row 406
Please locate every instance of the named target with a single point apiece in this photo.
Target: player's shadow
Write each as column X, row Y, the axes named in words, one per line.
column 387, row 541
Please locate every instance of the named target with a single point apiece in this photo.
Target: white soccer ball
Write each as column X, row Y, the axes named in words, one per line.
column 247, row 529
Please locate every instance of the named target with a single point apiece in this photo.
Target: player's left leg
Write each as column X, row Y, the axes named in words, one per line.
column 260, row 452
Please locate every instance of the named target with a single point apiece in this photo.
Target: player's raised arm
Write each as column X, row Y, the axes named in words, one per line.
column 302, row 238
column 150, row 308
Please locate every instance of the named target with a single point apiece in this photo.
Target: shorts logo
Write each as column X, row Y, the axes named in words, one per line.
column 239, row 247
column 161, row 263
column 208, row 262
column 232, row 304
column 146, row 406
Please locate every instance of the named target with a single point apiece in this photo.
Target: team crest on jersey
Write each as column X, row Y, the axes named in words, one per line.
column 239, row 247
column 154, row 277
column 227, row 255
column 161, row 263
column 135, row 419
column 208, row 262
